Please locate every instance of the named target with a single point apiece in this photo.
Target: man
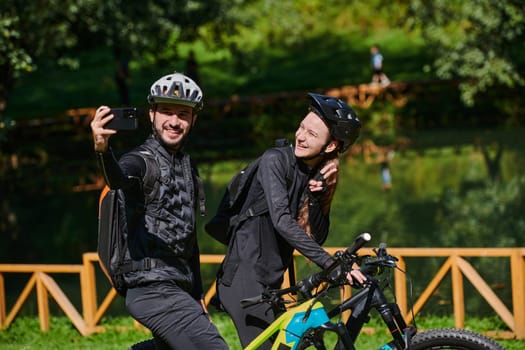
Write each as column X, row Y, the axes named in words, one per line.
column 261, row 248
column 165, row 296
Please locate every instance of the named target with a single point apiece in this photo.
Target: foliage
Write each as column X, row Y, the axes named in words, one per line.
column 123, row 26
column 478, row 42
column 62, row 29
column 482, row 212
column 242, row 41
column 29, row 30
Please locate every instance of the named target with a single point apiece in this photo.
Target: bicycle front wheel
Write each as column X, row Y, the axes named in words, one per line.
column 453, row 338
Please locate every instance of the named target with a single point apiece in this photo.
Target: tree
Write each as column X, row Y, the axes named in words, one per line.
column 489, row 213
column 60, row 29
column 30, row 29
column 478, row 42
column 148, row 30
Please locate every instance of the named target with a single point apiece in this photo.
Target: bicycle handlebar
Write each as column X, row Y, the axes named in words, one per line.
column 306, row 285
column 314, row 280
column 359, row 242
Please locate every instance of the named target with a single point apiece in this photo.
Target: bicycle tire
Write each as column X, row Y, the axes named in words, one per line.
column 453, row 338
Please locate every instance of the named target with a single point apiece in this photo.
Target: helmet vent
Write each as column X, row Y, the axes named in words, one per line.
column 176, row 88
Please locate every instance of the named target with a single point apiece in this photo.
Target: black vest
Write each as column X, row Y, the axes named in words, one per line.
column 167, row 232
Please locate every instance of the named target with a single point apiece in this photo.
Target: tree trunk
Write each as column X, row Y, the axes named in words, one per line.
column 121, row 76
column 6, row 86
column 493, row 163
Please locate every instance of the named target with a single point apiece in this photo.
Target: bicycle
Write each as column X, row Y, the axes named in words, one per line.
column 305, row 324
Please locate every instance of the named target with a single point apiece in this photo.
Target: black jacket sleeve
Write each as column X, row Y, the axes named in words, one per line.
column 125, row 173
column 272, row 176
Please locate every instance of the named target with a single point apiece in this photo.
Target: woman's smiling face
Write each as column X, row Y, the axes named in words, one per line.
column 311, row 136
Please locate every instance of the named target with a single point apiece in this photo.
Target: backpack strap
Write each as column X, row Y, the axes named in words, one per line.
column 260, row 207
column 152, row 173
column 289, row 178
column 201, row 195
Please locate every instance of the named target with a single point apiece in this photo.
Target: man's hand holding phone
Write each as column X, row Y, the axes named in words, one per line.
column 107, row 121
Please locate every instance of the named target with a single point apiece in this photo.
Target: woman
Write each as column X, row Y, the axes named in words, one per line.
column 261, row 248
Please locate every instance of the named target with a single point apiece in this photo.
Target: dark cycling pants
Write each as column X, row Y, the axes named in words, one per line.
column 176, row 320
column 251, row 321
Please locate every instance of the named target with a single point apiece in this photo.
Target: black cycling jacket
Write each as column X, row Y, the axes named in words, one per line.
column 266, row 242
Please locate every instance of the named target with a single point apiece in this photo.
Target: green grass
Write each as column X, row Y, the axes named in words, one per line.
column 120, row 333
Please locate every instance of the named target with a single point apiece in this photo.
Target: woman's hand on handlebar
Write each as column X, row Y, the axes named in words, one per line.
column 355, row 277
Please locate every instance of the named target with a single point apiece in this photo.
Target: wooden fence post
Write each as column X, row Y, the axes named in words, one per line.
column 3, row 307
column 458, row 295
column 518, row 291
column 89, row 292
column 43, row 303
column 400, row 285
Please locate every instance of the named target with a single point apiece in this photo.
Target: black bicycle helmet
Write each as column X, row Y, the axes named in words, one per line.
column 339, row 117
column 178, row 89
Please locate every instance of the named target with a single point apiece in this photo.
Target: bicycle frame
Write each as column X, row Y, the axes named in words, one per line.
column 292, row 325
column 362, row 303
column 304, row 325
column 309, row 319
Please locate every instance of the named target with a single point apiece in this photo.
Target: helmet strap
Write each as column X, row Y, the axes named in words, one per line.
column 153, row 130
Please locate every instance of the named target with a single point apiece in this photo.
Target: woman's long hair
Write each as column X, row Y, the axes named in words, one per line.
column 326, row 199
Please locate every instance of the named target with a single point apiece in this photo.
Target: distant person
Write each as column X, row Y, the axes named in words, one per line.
column 192, row 67
column 376, row 59
column 386, row 176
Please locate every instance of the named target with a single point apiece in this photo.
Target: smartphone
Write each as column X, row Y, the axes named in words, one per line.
column 124, row 119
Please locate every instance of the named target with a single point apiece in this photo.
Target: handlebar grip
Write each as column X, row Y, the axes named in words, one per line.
column 359, row 242
column 306, row 285
column 316, row 279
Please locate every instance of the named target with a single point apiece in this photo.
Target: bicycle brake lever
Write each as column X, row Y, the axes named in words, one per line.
column 309, row 310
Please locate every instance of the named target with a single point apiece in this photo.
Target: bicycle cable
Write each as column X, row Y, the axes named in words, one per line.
column 410, row 294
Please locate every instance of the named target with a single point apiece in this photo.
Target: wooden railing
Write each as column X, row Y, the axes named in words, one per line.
column 88, row 321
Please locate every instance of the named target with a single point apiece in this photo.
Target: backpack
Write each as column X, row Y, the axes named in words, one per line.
column 112, row 236
column 229, row 215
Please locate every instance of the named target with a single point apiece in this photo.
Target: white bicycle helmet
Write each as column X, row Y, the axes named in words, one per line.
column 178, row 89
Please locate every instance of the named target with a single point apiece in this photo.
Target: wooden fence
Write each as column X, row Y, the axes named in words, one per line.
column 88, row 320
